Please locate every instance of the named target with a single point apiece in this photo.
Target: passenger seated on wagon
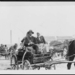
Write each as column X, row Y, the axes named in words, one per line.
column 40, row 39
column 41, row 43
column 30, row 41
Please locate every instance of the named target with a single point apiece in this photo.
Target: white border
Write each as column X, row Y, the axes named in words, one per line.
column 37, row 4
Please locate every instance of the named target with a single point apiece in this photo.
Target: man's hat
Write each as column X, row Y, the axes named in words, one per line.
column 38, row 33
column 30, row 31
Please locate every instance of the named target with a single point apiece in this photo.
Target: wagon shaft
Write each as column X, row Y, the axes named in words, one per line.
column 51, row 63
column 58, row 62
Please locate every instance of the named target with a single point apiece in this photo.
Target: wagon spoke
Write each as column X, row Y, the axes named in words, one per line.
column 27, row 65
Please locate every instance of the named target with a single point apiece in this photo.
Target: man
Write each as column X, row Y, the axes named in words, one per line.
column 29, row 40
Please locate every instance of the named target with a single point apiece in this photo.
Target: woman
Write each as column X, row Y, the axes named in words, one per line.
column 40, row 39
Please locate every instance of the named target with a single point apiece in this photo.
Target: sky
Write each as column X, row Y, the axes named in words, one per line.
column 50, row 19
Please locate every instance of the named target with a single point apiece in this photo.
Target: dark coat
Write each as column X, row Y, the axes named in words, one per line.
column 33, row 39
column 27, row 40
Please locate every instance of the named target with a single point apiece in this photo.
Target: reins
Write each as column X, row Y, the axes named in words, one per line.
column 70, row 56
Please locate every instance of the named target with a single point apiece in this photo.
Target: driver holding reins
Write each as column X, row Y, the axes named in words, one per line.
column 30, row 41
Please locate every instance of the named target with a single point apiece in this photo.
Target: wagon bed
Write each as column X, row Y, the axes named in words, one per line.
column 37, row 59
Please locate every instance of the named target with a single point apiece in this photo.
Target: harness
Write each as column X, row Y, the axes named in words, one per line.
column 71, row 55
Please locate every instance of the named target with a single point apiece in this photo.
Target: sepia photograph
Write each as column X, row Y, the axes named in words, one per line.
column 37, row 36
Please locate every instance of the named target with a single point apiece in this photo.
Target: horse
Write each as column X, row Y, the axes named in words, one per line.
column 70, row 53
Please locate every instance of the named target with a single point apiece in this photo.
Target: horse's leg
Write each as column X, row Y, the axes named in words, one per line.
column 69, row 64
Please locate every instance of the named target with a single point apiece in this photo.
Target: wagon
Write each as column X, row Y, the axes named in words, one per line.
column 4, row 53
column 25, row 59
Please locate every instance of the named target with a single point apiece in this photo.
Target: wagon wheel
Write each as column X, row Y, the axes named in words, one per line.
column 13, row 63
column 52, row 60
column 47, row 67
column 38, row 68
column 27, row 65
column 53, row 65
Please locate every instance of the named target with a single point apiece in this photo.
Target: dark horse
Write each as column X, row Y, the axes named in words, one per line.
column 71, row 53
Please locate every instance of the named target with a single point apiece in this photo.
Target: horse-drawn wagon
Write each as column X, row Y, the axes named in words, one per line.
column 4, row 52
column 29, row 60
column 42, row 60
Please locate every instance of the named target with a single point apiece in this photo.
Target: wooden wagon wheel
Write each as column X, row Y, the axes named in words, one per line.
column 53, row 65
column 48, row 67
column 27, row 65
column 13, row 63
